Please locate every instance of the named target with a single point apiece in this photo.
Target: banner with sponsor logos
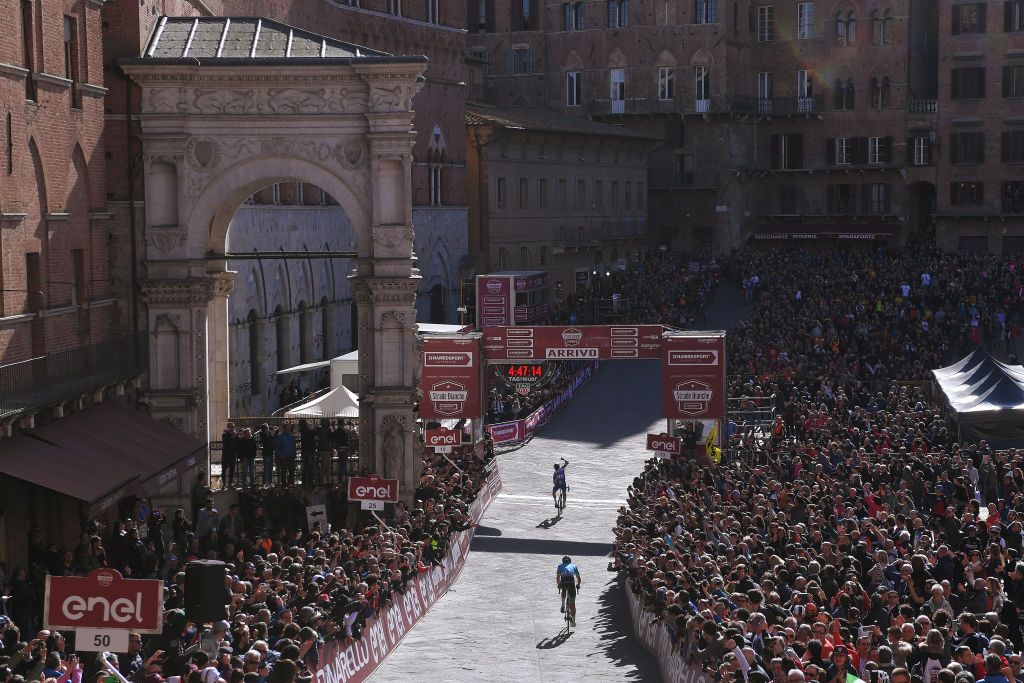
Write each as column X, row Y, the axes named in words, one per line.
column 693, row 375
column 656, row 637
column 583, row 342
column 518, row 431
column 451, row 377
column 356, row 662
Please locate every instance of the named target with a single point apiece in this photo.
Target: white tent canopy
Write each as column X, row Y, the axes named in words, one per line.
column 338, row 402
column 986, row 396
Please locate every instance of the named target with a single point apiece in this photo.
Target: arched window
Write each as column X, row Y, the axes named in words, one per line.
column 255, row 353
column 880, row 93
column 841, row 29
column 851, row 28
column 543, row 256
column 840, row 93
column 887, row 27
column 305, row 333
column 281, row 325
column 503, row 260
column 524, row 257
column 326, row 328
column 850, row 92
column 877, row 27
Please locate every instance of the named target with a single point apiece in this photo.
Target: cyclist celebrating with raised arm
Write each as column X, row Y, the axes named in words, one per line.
column 568, row 580
column 558, row 481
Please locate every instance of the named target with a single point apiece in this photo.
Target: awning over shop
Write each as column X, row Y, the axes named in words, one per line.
column 101, row 450
column 825, row 231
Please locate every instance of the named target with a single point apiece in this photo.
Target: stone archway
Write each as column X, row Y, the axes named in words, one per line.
column 216, row 130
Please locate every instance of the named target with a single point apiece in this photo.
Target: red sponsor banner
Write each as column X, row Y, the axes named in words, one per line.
column 373, row 488
column 104, row 599
column 693, row 376
column 443, row 437
column 354, row 663
column 450, row 380
column 582, row 342
column 506, row 432
column 664, row 443
column 494, row 300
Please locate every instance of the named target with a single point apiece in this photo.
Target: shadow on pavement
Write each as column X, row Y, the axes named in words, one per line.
column 539, row 546
column 615, row 628
column 549, row 643
column 549, row 522
column 487, row 531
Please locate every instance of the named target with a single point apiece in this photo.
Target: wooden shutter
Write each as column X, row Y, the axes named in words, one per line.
column 1007, row 78
column 860, row 150
column 910, row 151
column 776, row 158
column 865, row 198
column 887, row 149
column 830, row 151
column 1004, row 147
column 954, row 83
column 795, row 151
column 981, row 72
column 489, row 6
column 982, row 11
column 1008, row 16
column 956, row 20
column 830, row 199
column 954, row 148
column 516, row 15
column 473, row 17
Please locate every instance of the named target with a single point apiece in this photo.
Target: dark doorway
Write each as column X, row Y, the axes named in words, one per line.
column 437, row 313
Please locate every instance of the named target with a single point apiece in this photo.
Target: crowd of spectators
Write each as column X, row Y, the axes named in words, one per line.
column 854, row 536
column 292, row 583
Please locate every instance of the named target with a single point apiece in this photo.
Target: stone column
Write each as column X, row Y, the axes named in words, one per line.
column 385, row 287
column 218, row 385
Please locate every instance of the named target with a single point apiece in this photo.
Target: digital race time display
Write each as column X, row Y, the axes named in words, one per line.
column 524, row 372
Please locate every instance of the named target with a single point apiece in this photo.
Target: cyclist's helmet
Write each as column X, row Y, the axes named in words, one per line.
column 566, row 559
column 555, row 465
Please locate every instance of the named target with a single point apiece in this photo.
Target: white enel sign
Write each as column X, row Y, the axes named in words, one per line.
column 101, row 639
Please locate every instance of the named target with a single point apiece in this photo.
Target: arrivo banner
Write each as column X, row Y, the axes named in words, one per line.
column 584, row 342
column 373, row 488
column 664, row 443
column 450, row 380
column 355, row 662
column 693, row 375
column 443, row 437
column 104, row 599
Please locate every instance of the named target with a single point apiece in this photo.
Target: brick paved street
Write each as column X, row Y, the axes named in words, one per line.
column 501, row 621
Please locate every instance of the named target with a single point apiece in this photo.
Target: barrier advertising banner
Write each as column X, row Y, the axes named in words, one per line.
column 693, row 375
column 356, row 662
column 451, row 378
column 584, row 342
column 664, row 443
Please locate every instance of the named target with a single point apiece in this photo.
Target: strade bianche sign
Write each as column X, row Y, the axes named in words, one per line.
column 450, row 381
column 104, row 600
column 693, row 376
column 582, row 342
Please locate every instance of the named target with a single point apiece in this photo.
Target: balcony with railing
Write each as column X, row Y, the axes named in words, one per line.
column 777, row 106
column 652, row 105
column 922, row 106
column 57, row 377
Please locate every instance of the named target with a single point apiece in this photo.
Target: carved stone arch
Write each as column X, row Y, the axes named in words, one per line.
column 617, row 59
column 39, row 172
column 665, row 58
column 702, row 57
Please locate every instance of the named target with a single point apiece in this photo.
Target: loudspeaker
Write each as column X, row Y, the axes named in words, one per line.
column 204, row 591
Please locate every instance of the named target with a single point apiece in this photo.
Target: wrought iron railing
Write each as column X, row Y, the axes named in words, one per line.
column 923, row 106
column 65, row 375
column 776, row 106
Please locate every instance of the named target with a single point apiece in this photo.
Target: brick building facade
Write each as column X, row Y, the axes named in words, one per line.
column 554, row 192
column 54, row 276
column 787, row 119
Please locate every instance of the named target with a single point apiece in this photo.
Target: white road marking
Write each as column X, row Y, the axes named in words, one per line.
column 599, row 501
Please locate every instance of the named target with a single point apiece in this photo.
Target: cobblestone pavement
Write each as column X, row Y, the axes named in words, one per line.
column 501, row 620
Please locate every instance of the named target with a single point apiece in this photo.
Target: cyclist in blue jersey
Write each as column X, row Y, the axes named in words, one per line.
column 568, row 580
column 558, row 480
